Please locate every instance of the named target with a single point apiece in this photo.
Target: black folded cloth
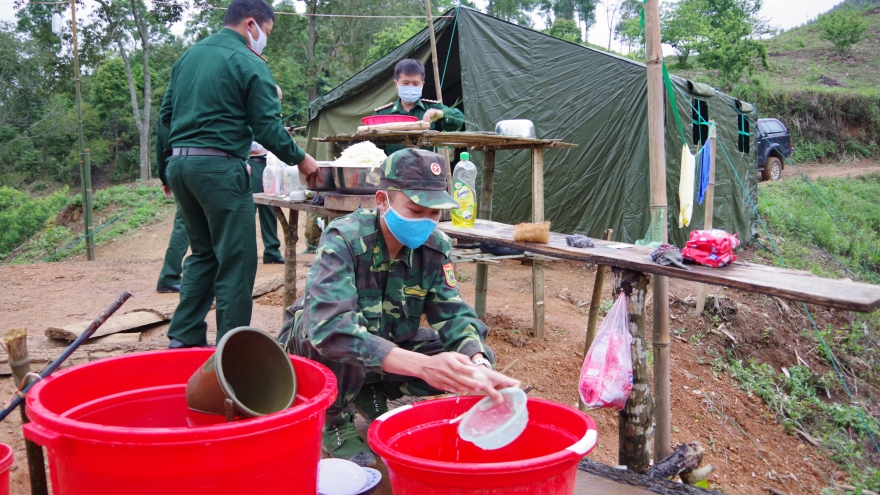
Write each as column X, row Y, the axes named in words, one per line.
column 579, row 241
column 669, row 255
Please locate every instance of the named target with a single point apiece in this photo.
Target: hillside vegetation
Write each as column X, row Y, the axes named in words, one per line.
column 829, row 101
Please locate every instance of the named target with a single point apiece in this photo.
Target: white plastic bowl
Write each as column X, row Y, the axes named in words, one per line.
column 490, row 425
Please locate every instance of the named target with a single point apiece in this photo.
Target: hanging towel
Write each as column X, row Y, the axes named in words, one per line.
column 686, row 187
column 705, row 164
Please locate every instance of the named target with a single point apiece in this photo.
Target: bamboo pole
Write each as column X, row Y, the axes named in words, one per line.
column 657, row 158
column 593, row 318
column 707, row 218
column 636, row 420
column 538, row 265
column 482, row 277
column 85, row 170
column 15, row 343
column 434, row 51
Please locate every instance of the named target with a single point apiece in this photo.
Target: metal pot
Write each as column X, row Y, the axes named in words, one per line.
column 519, row 127
column 324, row 181
column 356, row 180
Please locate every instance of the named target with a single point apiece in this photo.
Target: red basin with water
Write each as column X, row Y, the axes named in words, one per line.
column 121, row 425
column 425, row 455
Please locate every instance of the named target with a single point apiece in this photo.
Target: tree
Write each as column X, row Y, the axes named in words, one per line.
column 682, row 27
column 612, row 10
column 729, row 45
column 516, row 11
column 843, row 27
column 583, row 11
column 125, row 24
column 629, row 29
column 390, row 38
column 565, row 29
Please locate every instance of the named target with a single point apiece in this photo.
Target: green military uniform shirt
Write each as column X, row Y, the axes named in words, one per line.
column 453, row 118
column 224, row 97
column 359, row 302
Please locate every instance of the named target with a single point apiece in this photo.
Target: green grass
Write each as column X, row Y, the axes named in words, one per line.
column 22, row 216
column 814, row 237
column 799, row 401
column 116, row 211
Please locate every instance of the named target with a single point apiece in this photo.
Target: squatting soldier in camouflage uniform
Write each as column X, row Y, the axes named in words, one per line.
column 375, row 274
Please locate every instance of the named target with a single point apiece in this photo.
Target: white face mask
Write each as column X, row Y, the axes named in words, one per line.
column 257, row 45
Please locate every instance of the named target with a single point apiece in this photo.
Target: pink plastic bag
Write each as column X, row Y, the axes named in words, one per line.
column 607, row 375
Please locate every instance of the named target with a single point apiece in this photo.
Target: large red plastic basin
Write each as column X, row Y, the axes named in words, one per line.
column 425, row 455
column 6, row 459
column 121, row 425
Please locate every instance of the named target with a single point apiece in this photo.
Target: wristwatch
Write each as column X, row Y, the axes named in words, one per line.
column 481, row 361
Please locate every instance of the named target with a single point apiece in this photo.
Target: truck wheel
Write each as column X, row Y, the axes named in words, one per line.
column 772, row 169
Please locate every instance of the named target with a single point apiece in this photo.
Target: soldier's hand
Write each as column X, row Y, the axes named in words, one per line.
column 433, row 115
column 309, row 168
column 166, row 190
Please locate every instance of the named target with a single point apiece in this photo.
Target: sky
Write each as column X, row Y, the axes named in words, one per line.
column 784, row 14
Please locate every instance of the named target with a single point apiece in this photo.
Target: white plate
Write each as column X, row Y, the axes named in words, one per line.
column 340, row 477
column 373, row 479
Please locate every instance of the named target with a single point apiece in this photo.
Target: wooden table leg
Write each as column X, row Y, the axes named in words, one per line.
column 636, row 420
column 289, row 226
column 482, row 277
column 538, row 266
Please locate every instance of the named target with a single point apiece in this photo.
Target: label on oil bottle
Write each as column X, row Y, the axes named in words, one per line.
column 466, row 213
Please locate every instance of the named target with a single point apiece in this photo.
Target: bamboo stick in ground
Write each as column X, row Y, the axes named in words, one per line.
column 15, row 342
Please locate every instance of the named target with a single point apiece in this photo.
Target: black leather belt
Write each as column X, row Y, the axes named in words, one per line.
column 199, row 152
column 259, row 159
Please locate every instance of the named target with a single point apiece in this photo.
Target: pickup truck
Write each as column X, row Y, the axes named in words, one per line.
column 774, row 146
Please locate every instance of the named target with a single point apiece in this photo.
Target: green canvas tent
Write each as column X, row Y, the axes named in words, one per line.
column 496, row 70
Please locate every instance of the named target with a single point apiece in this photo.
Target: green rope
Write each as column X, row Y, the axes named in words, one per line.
column 671, row 92
column 449, row 50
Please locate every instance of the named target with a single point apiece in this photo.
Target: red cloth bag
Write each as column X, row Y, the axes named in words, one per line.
column 711, row 248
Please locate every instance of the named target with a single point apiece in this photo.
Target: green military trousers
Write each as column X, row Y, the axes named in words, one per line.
column 177, row 246
column 214, row 194
column 268, row 219
column 351, row 380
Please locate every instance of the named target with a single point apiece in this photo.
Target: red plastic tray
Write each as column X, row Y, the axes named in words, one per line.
column 387, row 119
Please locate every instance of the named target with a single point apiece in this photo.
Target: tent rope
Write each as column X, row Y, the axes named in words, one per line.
column 449, row 49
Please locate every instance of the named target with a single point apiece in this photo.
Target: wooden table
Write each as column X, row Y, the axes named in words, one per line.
column 788, row 284
column 487, row 143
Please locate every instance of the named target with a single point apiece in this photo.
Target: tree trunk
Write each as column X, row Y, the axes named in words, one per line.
column 144, row 125
column 636, row 420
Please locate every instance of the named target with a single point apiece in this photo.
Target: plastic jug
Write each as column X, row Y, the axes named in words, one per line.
column 291, row 180
column 464, row 180
column 277, row 167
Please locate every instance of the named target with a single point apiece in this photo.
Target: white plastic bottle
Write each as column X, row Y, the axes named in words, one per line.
column 268, row 179
column 464, row 180
column 277, row 173
column 292, row 186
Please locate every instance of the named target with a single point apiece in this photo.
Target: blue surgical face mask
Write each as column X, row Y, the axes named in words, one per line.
column 411, row 232
column 409, row 94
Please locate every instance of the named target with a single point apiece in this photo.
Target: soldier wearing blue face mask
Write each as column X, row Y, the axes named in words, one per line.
column 376, row 272
column 409, row 79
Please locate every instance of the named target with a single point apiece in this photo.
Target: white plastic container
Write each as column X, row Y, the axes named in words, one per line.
column 268, row 180
column 292, row 183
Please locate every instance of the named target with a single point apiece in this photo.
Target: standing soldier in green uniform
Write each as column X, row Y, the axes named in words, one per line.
column 268, row 219
column 375, row 274
column 409, row 79
column 221, row 98
column 178, row 243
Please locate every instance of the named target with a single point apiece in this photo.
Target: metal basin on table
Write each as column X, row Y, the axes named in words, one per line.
column 356, row 180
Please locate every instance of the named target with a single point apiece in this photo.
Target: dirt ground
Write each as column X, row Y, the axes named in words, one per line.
column 841, row 170
column 749, row 449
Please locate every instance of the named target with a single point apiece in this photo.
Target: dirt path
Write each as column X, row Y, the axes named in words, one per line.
column 828, row 171
column 749, row 448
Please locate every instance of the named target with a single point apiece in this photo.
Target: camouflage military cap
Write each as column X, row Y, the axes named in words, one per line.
column 421, row 175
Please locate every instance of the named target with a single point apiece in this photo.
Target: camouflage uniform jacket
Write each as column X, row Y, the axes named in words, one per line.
column 358, row 302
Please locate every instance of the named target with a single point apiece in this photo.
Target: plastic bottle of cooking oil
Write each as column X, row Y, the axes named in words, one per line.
column 464, row 180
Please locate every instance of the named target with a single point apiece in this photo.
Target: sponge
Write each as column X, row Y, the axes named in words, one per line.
column 532, row 232
column 579, row 241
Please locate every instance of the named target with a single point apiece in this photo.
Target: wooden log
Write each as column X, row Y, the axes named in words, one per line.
column 636, row 420
column 115, row 324
column 685, row 457
column 481, row 280
column 348, row 202
column 15, row 343
column 593, row 317
column 654, row 485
